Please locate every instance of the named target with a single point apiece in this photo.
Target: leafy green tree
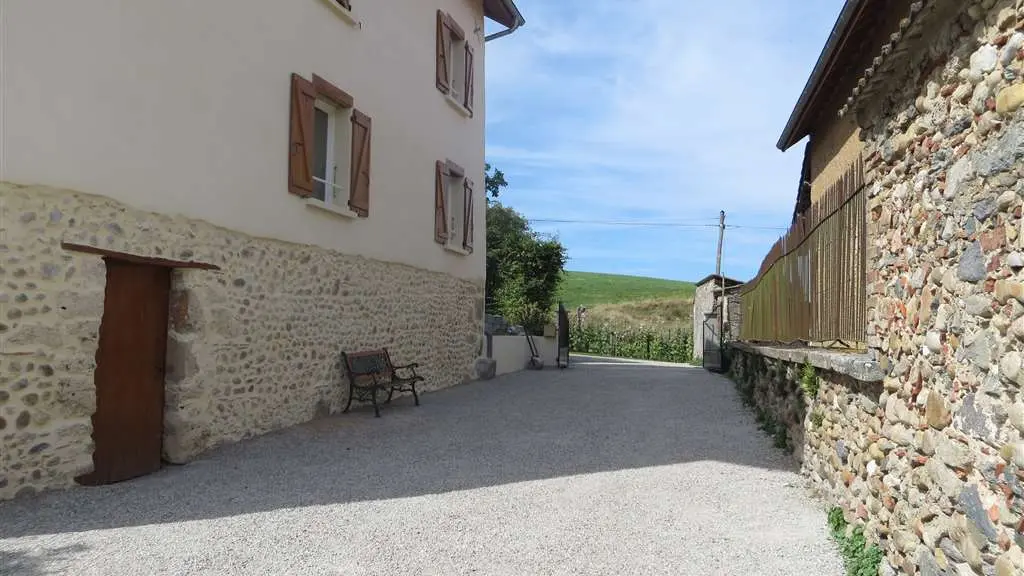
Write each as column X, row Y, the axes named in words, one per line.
column 494, row 181
column 523, row 267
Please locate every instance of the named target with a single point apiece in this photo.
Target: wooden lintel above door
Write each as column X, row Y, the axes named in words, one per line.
column 137, row 259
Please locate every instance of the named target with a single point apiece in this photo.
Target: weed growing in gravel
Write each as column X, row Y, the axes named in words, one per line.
column 777, row 430
column 859, row 558
column 765, row 421
column 817, row 418
column 781, row 437
column 809, row 380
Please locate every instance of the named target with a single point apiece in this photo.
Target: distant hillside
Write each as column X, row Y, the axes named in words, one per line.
column 591, row 289
column 629, row 301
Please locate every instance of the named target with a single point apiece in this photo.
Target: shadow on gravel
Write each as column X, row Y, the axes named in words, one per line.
column 42, row 563
column 599, row 415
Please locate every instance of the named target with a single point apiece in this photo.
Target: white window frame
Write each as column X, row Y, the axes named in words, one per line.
column 331, row 170
column 336, row 195
column 457, row 74
column 455, row 208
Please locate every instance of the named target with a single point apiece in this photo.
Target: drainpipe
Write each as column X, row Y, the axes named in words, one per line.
column 519, row 21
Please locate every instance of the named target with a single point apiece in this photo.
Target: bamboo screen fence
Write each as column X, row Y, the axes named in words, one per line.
column 811, row 285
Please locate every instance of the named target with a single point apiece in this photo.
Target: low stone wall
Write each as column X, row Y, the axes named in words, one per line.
column 935, row 500
column 252, row 347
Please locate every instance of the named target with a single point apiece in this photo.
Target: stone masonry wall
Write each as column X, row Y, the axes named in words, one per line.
column 946, row 298
column 932, row 462
column 252, row 347
column 863, row 450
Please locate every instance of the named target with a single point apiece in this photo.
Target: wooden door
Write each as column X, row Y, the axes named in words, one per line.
column 128, row 423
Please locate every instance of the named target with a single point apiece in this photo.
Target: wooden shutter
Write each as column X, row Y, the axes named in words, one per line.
column 440, row 208
column 359, row 196
column 467, row 239
column 467, row 99
column 300, row 150
column 443, row 57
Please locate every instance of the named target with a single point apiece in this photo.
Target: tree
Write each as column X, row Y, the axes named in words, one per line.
column 494, row 181
column 524, row 268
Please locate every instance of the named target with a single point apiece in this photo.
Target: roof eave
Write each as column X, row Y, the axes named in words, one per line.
column 504, row 12
column 717, row 277
column 795, row 129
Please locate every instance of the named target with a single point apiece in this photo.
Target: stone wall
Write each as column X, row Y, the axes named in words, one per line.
column 945, row 294
column 898, row 470
column 703, row 303
column 253, row 347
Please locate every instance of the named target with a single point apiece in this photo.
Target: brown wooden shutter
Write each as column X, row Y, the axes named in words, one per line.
column 443, row 57
column 359, row 196
column 467, row 240
column 440, row 208
column 468, row 98
column 300, row 150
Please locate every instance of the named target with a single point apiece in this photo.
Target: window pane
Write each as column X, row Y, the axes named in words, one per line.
column 319, row 152
column 458, row 71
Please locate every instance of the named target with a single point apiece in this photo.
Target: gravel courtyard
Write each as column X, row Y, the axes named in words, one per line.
column 607, row 468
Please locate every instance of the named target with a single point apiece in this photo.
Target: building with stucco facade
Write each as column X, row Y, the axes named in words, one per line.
column 203, row 204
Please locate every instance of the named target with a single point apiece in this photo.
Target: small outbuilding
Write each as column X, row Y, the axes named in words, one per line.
column 707, row 304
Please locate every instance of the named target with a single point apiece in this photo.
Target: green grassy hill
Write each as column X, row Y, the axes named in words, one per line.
column 629, row 301
column 591, row 289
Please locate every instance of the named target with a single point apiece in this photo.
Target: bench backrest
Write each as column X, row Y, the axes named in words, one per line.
column 364, row 365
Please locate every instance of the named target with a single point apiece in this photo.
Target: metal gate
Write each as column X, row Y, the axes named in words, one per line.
column 563, row 336
column 712, row 342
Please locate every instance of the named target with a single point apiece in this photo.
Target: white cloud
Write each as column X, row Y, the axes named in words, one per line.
column 599, row 108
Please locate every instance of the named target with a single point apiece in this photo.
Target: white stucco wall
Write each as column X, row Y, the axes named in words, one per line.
column 183, row 108
column 510, row 353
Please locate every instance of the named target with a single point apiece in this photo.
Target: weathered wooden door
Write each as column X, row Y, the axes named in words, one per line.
column 128, row 422
column 712, row 342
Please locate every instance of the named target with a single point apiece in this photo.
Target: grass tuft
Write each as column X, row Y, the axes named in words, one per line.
column 860, row 558
column 809, row 380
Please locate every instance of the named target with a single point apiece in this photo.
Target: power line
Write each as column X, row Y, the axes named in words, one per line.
column 677, row 224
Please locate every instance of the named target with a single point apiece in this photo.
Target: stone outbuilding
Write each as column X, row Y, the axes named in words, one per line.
column 913, row 167
column 707, row 301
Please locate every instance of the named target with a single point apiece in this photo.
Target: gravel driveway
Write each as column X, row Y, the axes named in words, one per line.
column 609, row 467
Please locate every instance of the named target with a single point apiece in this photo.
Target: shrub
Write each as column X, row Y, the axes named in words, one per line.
column 639, row 343
column 809, row 380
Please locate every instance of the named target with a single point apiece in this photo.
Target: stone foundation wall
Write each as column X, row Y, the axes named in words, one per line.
column 252, row 347
column 929, row 497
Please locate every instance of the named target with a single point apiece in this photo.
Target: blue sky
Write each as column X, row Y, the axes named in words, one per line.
column 653, row 110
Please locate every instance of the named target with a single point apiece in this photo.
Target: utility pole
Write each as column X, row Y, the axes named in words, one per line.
column 721, row 279
column 721, row 235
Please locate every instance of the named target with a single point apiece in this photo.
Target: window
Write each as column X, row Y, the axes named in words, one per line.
column 455, row 64
column 329, row 156
column 453, row 208
column 332, row 152
column 343, row 8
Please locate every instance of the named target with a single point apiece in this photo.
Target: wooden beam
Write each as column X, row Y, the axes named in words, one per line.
column 134, row 258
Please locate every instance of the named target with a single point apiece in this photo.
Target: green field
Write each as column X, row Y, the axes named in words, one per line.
column 592, row 289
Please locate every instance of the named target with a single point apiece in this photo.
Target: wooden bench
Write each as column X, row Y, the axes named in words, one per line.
column 371, row 371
